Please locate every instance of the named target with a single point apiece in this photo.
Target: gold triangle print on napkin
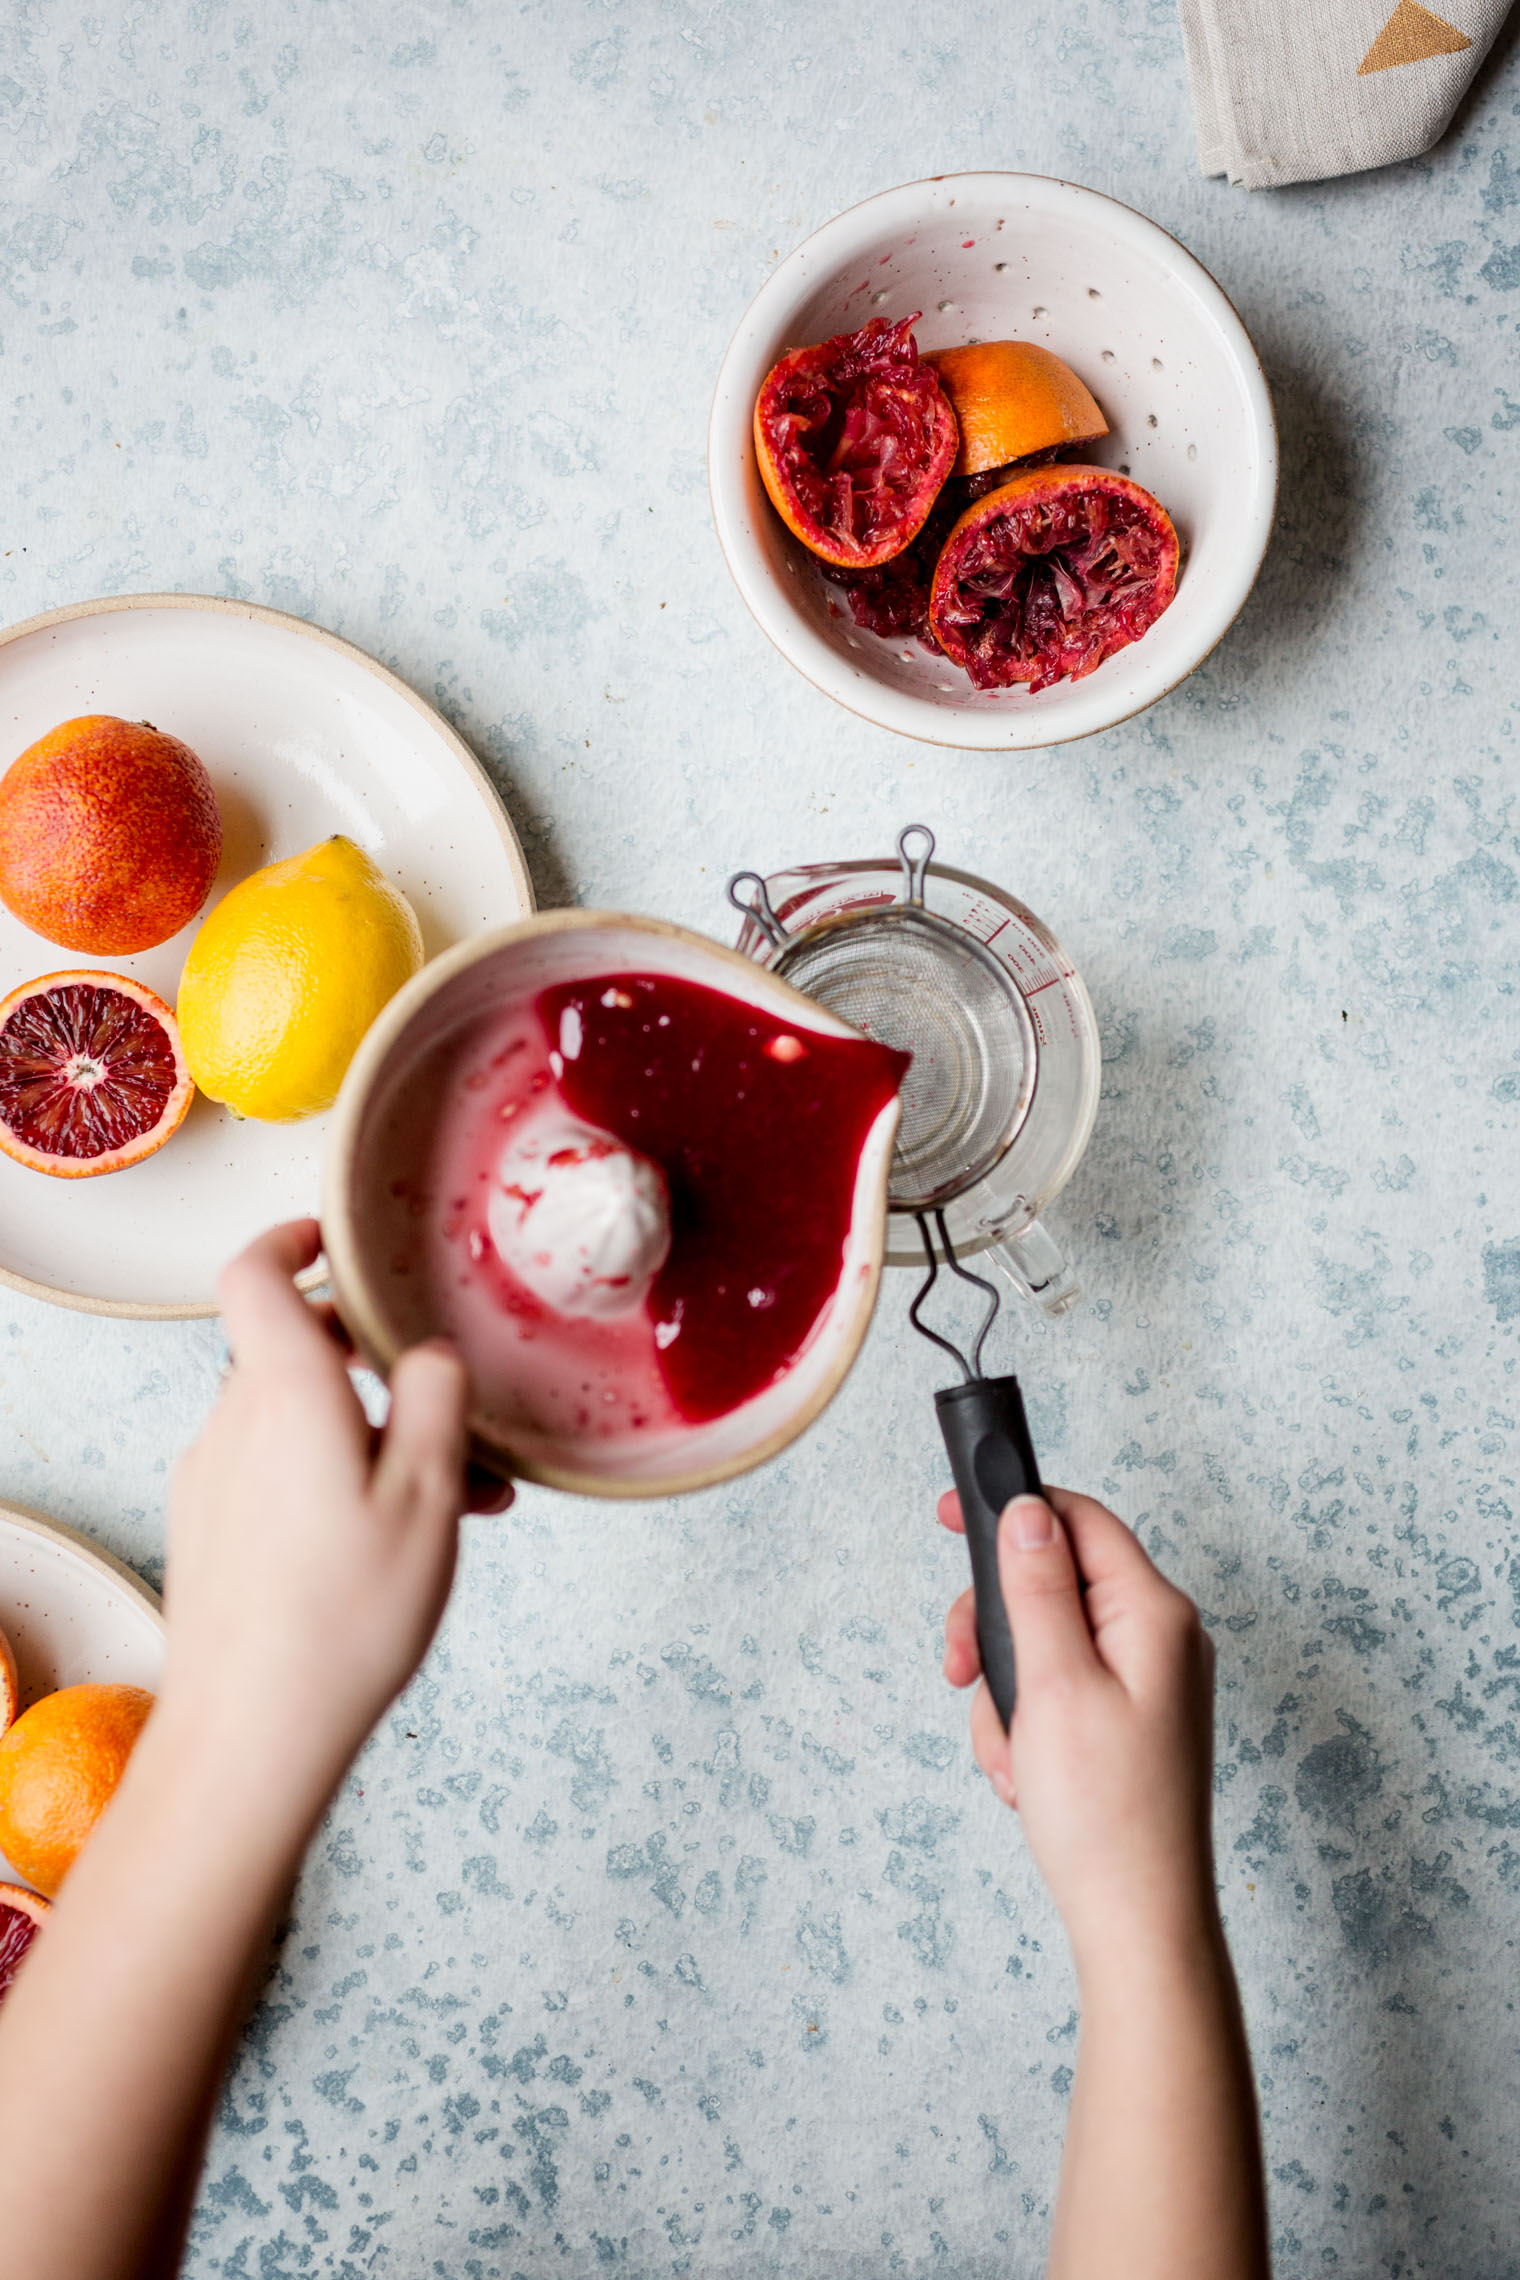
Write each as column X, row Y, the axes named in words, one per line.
column 1411, row 35
column 1281, row 97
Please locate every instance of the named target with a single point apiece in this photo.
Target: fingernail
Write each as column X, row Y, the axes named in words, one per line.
column 1003, row 1786
column 1030, row 1523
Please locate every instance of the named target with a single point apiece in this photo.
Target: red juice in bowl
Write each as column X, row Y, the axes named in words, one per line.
column 754, row 1133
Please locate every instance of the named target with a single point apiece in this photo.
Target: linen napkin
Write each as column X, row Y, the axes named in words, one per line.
column 1295, row 90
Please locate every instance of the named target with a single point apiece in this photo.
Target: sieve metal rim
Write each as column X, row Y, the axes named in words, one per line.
column 963, row 943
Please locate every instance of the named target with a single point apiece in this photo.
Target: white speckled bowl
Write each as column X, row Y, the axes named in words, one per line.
column 450, row 995
column 1014, row 257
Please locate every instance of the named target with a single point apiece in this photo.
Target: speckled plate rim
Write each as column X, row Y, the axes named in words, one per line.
column 87, row 1552
column 352, row 1291
column 812, row 657
column 106, row 605
column 90, row 1584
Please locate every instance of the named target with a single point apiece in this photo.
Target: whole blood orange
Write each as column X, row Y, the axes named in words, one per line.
column 854, row 438
column 1051, row 573
column 59, row 1766
column 22, row 1915
column 110, row 835
column 92, row 1076
column 1012, row 398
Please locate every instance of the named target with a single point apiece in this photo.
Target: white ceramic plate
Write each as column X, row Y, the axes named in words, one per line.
column 73, row 1614
column 1014, row 257
column 303, row 735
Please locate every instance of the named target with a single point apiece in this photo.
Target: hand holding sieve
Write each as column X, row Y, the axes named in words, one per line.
column 912, row 979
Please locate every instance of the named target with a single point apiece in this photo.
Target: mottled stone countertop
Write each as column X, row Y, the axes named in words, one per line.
column 664, row 1927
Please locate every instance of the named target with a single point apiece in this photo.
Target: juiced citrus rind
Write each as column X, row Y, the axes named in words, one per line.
column 1100, row 568
column 816, row 460
column 1012, row 398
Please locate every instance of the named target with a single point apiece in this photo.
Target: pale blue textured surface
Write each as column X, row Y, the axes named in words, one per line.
column 664, row 1927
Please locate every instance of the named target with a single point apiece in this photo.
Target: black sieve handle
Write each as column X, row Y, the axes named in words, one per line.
column 992, row 1458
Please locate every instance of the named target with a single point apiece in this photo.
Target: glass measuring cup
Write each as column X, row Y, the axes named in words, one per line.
column 1000, row 1214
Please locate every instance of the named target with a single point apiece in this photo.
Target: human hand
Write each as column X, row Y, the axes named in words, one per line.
column 310, row 1557
column 1109, row 1755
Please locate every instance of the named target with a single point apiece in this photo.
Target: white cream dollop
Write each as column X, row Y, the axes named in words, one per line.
column 578, row 1218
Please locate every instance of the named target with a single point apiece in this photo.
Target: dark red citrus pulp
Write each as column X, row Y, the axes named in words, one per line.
column 91, row 1073
column 1045, row 577
column 854, row 438
column 893, row 599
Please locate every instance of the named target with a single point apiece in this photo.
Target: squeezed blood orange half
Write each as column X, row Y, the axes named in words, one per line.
column 854, row 438
column 1049, row 574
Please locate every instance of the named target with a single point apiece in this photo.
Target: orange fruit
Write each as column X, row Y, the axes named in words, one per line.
column 59, row 1766
column 854, row 438
column 110, row 835
column 10, row 1692
column 1049, row 574
column 22, row 1914
column 92, row 1074
column 1011, row 398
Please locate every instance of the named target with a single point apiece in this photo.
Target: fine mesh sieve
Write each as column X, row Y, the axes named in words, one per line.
column 911, row 979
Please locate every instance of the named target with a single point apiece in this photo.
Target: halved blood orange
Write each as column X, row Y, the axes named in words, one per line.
column 22, row 1914
column 92, row 1077
column 854, row 438
column 10, row 1690
column 1012, row 398
column 1051, row 573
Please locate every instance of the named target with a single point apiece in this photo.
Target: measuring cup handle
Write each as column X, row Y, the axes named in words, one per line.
column 1037, row 1268
column 992, row 1458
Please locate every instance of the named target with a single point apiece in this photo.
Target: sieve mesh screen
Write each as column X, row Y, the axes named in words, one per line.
column 920, row 983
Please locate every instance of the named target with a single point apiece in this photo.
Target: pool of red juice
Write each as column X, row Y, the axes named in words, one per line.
column 758, row 1130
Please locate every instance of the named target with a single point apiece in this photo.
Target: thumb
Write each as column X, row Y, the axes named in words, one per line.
column 422, row 1449
column 1042, row 1595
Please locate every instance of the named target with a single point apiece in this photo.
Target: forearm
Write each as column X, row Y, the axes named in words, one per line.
column 113, row 2039
column 1162, row 2173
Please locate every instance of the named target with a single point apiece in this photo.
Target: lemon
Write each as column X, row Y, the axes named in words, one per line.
column 287, row 974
